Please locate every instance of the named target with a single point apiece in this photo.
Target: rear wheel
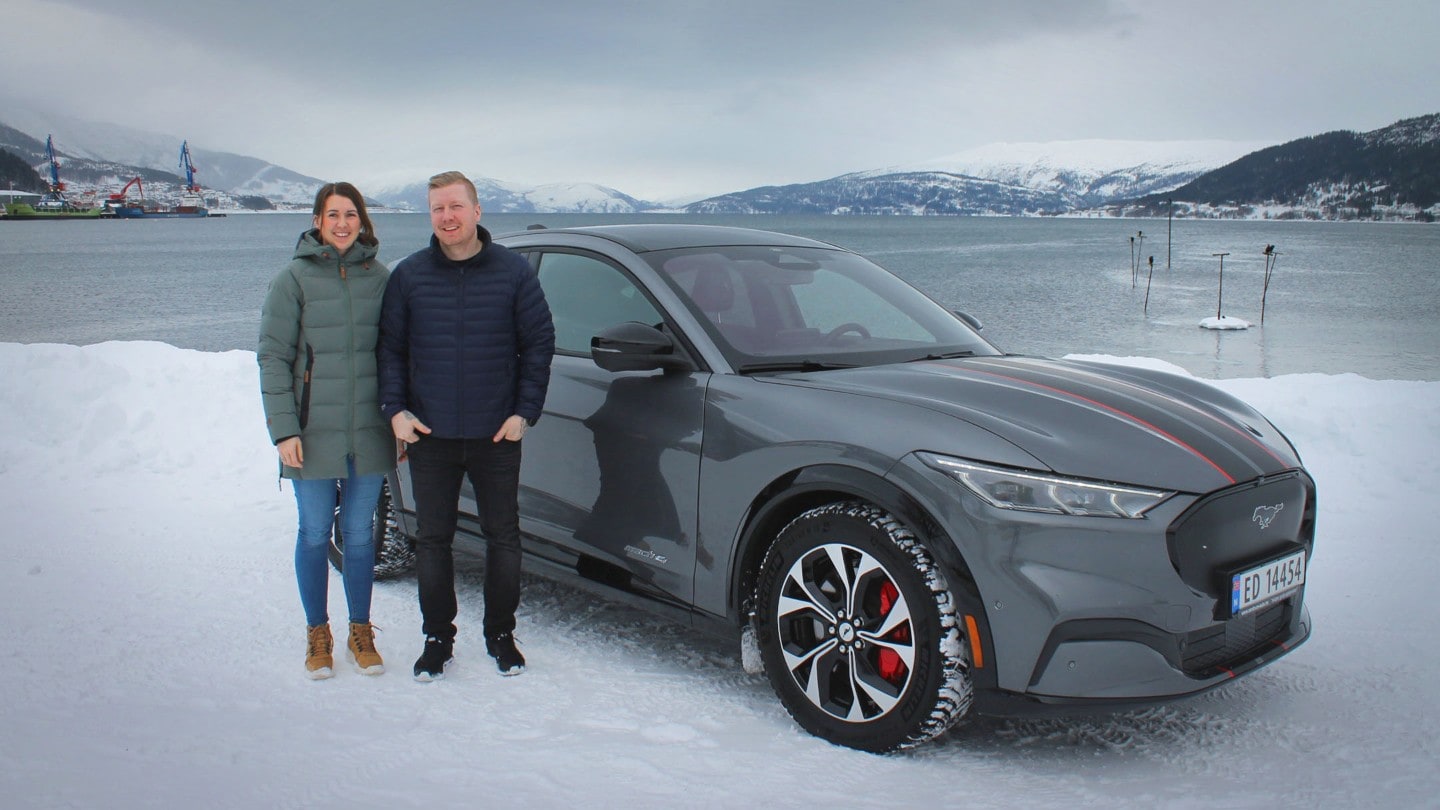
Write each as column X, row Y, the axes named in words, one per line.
column 394, row 551
column 858, row 631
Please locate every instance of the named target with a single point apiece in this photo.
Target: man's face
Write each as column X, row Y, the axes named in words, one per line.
column 453, row 215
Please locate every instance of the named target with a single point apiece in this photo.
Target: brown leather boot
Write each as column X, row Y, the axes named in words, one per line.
column 362, row 649
column 319, row 661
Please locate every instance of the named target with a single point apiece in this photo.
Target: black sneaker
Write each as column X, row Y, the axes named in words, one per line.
column 507, row 659
column 430, row 666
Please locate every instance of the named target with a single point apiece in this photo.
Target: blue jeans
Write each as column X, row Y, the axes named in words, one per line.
column 316, row 499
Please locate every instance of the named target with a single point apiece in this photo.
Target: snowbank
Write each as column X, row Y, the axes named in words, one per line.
column 153, row 643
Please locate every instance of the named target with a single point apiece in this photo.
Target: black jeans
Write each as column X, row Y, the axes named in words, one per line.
column 438, row 467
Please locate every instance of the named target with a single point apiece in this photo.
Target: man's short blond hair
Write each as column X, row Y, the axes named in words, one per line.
column 444, row 179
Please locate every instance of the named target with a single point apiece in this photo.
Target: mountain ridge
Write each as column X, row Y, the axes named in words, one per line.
column 1389, row 173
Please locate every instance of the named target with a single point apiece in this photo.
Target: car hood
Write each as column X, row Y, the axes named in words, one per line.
column 1090, row 420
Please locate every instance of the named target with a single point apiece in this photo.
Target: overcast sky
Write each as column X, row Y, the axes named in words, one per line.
column 666, row 98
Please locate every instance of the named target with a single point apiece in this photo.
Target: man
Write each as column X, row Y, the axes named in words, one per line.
column 465, row 346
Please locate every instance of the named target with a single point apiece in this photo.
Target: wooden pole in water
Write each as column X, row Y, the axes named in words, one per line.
column 1221, row 298
column 1169, row 219
column 1272, row 256
column 1147, row 285
column 1132, row 263
column 1139, row 251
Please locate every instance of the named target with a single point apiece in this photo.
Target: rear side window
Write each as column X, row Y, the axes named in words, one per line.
column 586, row 296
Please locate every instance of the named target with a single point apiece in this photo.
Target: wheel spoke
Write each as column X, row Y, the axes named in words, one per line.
column 864, row 679
column 809, row 598
column 905, row 649
column 795, row 662
column 866, row 566
column 899, row 614
column 815, row 680
column 836, row 553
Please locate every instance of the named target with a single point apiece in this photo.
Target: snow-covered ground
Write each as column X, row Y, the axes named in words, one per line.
column 153, row 642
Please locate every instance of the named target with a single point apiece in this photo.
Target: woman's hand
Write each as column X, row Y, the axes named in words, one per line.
column 291, row 453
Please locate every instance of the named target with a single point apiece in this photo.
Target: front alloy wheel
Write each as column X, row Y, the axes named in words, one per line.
column 858, row 631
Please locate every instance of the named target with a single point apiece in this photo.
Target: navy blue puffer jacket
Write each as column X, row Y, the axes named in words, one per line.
column 465, row 345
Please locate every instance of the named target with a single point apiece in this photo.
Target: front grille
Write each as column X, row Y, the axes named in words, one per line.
column 1224, row 532
column 1228, row 643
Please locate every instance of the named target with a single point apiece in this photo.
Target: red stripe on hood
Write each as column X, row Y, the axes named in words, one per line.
column 1110, row 408
column 1210, row 416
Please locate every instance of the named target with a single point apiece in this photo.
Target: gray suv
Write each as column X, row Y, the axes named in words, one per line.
column 773, row 438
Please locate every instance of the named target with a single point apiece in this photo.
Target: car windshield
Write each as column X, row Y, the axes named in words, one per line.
column 774, row 308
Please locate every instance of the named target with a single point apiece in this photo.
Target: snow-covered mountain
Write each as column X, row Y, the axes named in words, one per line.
column 89, row 142
column 498, row 196
column 121, row 146
column 911, row 193
column 1088, row 172
column 1009, row 179
column 1386, row 174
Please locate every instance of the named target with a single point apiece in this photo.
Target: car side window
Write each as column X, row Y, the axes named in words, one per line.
column 586, row 296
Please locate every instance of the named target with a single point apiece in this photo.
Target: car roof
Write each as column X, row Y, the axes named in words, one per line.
column 642, row 238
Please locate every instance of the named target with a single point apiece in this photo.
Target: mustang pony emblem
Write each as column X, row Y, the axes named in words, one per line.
column 1265, row 514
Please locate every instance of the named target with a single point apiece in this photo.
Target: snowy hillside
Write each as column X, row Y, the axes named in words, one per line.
column 1006, row 179
column 1088, row 171
column 104, row 143
column 1387, row 174
column 498, row 196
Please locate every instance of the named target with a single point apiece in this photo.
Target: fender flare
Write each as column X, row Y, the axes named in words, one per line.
column 803, row 489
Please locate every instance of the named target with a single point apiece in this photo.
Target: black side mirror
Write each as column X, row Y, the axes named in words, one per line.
column 634, row 346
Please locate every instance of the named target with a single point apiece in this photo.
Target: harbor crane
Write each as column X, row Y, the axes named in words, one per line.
column 55, row 185
column 189, row 167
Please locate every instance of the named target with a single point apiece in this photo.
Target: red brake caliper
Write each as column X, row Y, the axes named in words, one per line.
column 891, row 667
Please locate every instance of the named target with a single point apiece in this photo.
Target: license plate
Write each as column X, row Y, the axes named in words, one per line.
column 1259, row 586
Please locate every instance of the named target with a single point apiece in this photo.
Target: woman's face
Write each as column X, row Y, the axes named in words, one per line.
column 338, row 223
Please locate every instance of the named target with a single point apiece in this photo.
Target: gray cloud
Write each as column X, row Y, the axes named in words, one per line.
column 666, row 97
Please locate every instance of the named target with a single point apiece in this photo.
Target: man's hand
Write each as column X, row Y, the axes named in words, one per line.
column 291, row 453
column 513, row 430
column 407, row 428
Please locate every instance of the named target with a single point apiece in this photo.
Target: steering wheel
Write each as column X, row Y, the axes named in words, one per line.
column 833, row 336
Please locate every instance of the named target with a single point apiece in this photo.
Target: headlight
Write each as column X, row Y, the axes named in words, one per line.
column 1028, row 491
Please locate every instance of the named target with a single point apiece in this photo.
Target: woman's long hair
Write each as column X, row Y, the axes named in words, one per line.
column 367, row 230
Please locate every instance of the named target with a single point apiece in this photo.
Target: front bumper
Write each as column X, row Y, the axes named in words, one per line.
column 1140, row 663
column 1075, row 610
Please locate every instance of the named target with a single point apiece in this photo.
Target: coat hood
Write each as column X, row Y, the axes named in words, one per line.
column 1089, row 420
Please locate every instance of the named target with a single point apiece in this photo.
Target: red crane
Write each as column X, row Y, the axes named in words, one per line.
column 134, row 181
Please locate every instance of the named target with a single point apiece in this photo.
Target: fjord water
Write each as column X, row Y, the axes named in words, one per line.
column 1343, row 297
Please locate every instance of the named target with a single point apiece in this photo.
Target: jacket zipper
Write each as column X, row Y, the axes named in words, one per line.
column 350, row 357
column 305, row 385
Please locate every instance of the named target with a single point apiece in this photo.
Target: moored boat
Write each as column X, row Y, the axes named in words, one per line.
column 53, row 205
column 50, row 208
column 190, row 205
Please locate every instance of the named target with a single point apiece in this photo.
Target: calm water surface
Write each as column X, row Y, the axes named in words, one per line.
column 1359, row 297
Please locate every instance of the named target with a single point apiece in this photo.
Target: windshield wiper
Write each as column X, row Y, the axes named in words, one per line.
column 946, row 355
column 791, row 365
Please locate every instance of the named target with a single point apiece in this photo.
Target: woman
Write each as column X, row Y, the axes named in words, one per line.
column 318, row 332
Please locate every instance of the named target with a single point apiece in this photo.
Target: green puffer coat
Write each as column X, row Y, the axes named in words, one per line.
column 318, row 381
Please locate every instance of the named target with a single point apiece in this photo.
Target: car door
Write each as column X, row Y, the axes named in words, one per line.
column 611, row 470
